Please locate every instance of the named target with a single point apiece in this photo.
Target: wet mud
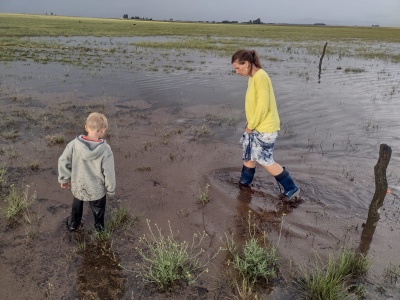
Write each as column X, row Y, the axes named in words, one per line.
column 174, row 133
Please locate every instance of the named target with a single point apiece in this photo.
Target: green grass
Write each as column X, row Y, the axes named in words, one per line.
column 203, row 196
column 392, row 274
column 3, row 172
column 34, row 166
column 119, row 219
column 167, row 261
column 200, row 131
column 18, row 39
column 255, row 264
column 143, row 168
column 331, row 281
column 55, row 139
column 222, row 45
column 80, row 243
column 11, row 135
column 354, row 70
column 18, row 25
column 103, row 236
column 17, row 200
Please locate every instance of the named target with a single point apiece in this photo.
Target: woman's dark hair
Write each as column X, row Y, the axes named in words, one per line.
column 241, row 56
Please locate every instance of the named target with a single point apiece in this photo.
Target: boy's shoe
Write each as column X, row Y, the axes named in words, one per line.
column 72, row 226
column 292, row 194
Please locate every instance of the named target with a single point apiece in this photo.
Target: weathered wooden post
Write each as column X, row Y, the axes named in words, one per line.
column 320, row 62
column 381, row 186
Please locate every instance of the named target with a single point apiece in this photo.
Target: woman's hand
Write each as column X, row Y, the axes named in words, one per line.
column 248, row 130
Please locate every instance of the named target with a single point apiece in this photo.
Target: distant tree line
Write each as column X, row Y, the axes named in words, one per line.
column 256, row 21
column 230, row 22
column 125, row 16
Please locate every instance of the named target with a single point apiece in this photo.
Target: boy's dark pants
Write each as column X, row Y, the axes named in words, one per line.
column 98, row 208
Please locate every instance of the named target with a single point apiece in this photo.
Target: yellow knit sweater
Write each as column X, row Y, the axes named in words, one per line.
column 261, row 110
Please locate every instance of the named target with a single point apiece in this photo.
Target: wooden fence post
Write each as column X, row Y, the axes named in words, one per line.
column 381, row 186
column 320, row 62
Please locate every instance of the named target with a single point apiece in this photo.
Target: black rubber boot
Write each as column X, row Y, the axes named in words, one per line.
column 76, row 215
column 98, row 208
column 290, row 188
column 247, row 176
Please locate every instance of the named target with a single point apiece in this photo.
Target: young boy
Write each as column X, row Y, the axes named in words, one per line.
column 87, row 167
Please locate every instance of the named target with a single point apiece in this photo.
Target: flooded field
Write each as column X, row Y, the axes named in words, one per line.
column 176, row 117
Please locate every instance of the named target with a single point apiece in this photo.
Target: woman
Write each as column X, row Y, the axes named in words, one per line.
column 262, row 123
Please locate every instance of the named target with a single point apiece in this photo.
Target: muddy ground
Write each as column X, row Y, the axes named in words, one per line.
column 165, row 155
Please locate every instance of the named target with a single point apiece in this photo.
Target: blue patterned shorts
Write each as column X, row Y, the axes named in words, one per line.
column 259, row 147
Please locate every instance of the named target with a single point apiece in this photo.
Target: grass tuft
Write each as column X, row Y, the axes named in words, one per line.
column 17, row 201
column 102, row 236
column 168, row 261
column 331, row 282
column 354, row 70
column 3, row 172
column 11, row 135
column 55, row 139
column 254, row 264
column 81, row 244
column 392, row 273
column 203, row 196
column 120, row 218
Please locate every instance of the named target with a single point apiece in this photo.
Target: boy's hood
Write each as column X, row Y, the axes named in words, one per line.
column 89, row 150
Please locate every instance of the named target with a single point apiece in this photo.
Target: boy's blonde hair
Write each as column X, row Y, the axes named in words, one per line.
column 96, row 121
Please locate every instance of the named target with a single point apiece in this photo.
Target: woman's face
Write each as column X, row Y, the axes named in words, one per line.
column 243, row 70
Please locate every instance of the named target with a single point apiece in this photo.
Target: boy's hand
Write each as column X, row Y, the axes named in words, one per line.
column 66, row 185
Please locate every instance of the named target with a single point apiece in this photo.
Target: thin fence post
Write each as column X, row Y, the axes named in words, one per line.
column 381, row 187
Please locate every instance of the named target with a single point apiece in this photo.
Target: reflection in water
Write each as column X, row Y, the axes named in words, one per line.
column 264, row 218
column 259, row 201
column 100, row 275
column 381, row 186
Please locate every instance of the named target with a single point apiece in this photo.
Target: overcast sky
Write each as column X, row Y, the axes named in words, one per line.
column 331, row 12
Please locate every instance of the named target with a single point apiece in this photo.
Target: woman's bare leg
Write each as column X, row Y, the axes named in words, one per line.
column 274, row 169
column 249, row 164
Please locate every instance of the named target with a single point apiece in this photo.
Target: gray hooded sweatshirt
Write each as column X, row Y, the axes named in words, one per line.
column 89, row 166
